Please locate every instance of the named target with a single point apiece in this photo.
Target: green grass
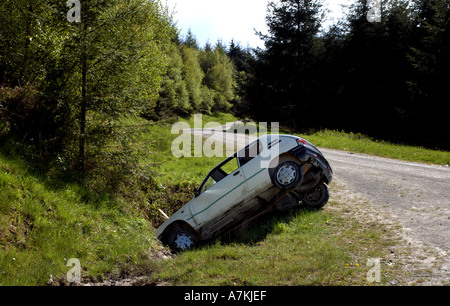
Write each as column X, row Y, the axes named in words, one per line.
column 185, row 169
column 304, row 248
column 356, row 143
column 359, row 143
column 43, row 224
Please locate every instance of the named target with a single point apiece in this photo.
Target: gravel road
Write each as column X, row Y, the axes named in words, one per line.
column 413, row 195
column 416, row 196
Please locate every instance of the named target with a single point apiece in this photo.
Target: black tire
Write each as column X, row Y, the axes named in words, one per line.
column 288, row 202
column 182, row 240
column 317, row 197
column 287, row 175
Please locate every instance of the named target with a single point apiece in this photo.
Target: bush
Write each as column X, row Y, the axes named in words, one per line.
column 33, row 120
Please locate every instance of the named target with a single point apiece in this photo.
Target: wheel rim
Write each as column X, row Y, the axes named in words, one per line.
column 286, row 174
column 183, row 241
column 314, row 195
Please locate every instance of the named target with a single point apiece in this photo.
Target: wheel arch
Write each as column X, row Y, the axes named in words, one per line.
column 284, row 157
column 177, row 224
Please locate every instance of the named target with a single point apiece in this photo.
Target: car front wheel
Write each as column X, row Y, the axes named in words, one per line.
column 287, row 175
column 182, row 240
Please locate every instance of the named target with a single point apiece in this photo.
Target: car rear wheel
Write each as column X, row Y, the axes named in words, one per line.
column 317, row 197
column 182, row 240
column 287, row 175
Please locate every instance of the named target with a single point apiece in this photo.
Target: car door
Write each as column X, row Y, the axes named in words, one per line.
column 255, row 174
column 225, row 189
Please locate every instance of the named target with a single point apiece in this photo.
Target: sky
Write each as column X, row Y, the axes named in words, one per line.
column 212, row 20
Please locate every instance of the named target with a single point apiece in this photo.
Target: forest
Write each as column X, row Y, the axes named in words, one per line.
column 385, row 79
column 69, row 89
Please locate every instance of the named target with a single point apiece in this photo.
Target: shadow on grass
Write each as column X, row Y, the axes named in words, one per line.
column 250, row 233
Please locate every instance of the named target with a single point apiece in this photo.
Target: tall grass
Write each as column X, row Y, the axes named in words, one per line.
column 42, row 226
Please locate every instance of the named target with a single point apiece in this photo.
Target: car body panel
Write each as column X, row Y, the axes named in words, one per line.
column 221, row 195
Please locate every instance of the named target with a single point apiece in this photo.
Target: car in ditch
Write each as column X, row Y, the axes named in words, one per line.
column 274, row 172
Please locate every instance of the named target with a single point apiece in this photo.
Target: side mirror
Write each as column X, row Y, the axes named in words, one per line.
column 196, row 192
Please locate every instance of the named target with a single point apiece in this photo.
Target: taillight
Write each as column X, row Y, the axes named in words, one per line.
column 301, row 141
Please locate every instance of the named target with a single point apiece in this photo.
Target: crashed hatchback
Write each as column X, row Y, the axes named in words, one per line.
column 275, row 172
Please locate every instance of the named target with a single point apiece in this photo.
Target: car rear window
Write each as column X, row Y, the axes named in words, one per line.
column 250, row 152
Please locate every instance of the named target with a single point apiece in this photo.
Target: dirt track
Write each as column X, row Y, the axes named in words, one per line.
column 412, row 195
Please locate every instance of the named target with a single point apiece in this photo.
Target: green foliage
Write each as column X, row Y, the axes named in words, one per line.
column 193, row 75
column 173, row 95
column 68, row 87
column 117, row 77
column 26, row 38
column 25, row 114
column 360, row 143
column 286, row 77
column 197, row 80
column 219, row 76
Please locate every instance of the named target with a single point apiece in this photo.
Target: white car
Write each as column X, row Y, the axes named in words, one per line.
column 273, row 172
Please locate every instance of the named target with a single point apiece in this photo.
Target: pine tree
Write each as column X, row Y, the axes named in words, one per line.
column 430, row 58
column 219, row 76
column 173, row 95
column 285, row 76
column 375, row 93
column 243, row 60
column 191, row 40
column 193, row 75
column 85, row 77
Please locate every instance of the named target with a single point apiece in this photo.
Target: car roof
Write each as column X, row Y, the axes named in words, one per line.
column 270, row 136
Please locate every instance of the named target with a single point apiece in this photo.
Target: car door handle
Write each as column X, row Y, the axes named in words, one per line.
column 236, row 173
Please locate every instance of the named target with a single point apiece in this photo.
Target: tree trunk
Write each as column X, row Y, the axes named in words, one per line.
column 82, row 118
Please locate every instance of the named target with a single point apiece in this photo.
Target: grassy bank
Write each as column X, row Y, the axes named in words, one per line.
column 45, row 223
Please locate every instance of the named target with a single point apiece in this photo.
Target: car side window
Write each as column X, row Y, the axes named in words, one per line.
column 250, row 152
column 220, row 173
column 209, row 183
column 230, row 166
